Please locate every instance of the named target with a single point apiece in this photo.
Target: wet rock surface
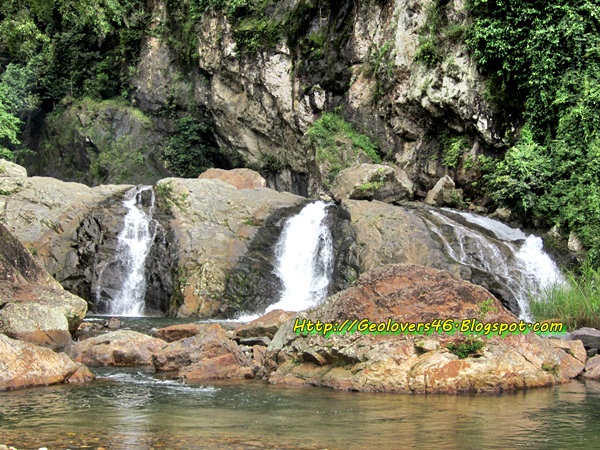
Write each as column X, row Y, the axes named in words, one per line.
column 214, row 225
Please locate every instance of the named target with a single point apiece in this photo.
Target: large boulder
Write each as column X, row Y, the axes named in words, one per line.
column 47, row 216
column 589, row 336
column 10, row 169
column 208, row 355
column 592, row 369
column 372, row 182
column 33, row 306
column 25, row 365
column 117, row 348
column 214, row 224
column 240, row 178
column 416, row 363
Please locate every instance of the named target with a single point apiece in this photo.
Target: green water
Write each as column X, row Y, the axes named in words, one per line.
column 133, row 409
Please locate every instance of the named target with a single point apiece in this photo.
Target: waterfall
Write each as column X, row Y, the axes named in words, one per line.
column 304, row 255
column 133, row 245
column 516, row 261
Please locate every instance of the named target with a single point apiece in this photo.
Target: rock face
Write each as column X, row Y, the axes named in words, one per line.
column 372, row 182
column 25, row 365
column 73, row 232
column 117, row 348
column 208, row 355
column 367, row 64
column 10, row 169
column 419, row 364
column 33, row 306
column 387, row 234
column 101, row 142
column 213, row 225
column 240, row 178
column 46, row 215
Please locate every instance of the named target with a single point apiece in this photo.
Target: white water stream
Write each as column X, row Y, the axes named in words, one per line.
column 517, row 261
column 133, row 246
column 304, row 259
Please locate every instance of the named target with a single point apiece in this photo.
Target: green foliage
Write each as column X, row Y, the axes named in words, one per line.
column 50, row 49
column 454, row 149
column 520, row 179
column 269, row 164
column 576, row 303
column 252, row 28
column 188, row 153
column 428, row 51
column 468, row 347
column 9, row 125
column 338, row 144
column 543, row 59
column 485, row 307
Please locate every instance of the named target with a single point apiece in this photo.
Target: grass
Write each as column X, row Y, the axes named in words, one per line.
column 575, row 303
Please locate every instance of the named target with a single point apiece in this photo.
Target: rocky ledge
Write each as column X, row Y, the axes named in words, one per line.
column 436, row 363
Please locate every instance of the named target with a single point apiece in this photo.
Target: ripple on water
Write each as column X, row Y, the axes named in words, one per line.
column 134, row 409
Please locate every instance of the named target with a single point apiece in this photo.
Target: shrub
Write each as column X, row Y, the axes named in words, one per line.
column 543, row 61
column 463, row 349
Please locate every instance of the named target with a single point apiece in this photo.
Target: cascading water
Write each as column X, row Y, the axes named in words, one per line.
column 133, row 245
column 516, row 261
column 304, row 259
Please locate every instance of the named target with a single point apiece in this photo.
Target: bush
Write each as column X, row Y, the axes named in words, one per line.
column 187, row 153
column 543, row 60
column 468, row 347
column 575, row 303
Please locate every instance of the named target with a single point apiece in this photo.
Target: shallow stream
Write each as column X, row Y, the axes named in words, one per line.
column 134, row 409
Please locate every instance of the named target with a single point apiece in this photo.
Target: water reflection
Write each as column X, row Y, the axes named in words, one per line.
column 133, row 409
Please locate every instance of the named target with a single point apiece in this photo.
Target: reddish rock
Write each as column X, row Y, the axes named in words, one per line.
column 178, row 332
column 118, row 348
column 266, row 325
column 220, row 367
column 24, row 365
column 592, row 369
column 418, row 364
column 82, row 375
column 240, row 178
column 193, row 357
